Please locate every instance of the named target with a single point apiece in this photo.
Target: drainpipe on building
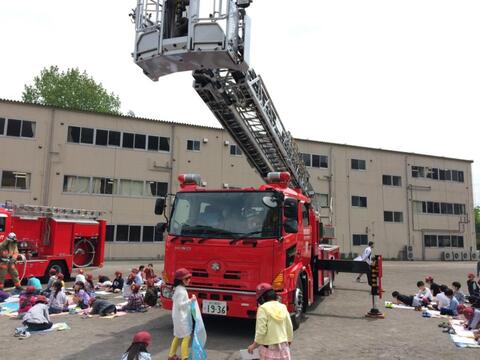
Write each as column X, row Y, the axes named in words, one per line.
column 48, row 163
column 172, row 160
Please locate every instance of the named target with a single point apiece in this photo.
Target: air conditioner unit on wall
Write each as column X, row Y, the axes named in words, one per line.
column 457, row 255
column 447, row 256
column 474, row 256
column 465, row 256
column 409, row 253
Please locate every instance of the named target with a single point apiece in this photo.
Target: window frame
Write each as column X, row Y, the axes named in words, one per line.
column 359, row 198
column 15, row 174
column 193, row 142
column 362, row 239
column 358, row 162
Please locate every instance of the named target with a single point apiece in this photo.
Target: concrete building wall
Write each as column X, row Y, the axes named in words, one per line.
column 53, row 156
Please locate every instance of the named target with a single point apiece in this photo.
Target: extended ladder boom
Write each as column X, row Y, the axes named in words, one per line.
column 172, row 35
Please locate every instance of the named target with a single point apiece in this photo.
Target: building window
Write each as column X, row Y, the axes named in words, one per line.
column 2, row 126
column 114, row 138
column 153, row 143
column 316, row 161
column 359, row 164
column 392, row 180
column 86, row 136
column 158, row 235
column 19, row 128
column 430, row 240
column 443, row 241
column 73, row 134
column 432, row 207
column 393, row 216
column 134, row 233
column 360, row 239
column 359, row 201
column 140, row 141
column 128, row 140
column 131, row 187
column 15, row 180
column 235, row 150
column 418, row 171
column 322, row 200
column 148, row 233
column 76, row 184
column 106, row 186
column 110, row 233
column 193, row 145
column 122, row 233
column 101, row 137
column 155, row 188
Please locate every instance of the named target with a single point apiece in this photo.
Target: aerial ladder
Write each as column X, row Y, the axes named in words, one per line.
column 212, row 38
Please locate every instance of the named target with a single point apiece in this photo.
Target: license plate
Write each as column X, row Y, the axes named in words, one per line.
column 214, row 307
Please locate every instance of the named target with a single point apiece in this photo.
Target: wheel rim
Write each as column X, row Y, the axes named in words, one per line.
column 84, row 253
column 298, row 302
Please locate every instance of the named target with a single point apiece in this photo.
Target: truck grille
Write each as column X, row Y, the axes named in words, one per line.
column 200, row 273
column 235, row 275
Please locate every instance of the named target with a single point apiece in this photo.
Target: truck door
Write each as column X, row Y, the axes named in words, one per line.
column 306, row 232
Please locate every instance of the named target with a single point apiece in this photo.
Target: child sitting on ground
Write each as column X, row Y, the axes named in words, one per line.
column 81, row 297
column 127, row 286
column 138, row 348
column 35, row 282
column 442, row 300
column 53, row 277
column 58, row 299
column 459, row 295
column 102, row 307
column 151, row 295
column 26, row 300
column 135, row 300
column 117, row 284
column 424, row 292
column 434, row 288
column 89, row 285
column 37, row 318
column 472, row 317
column 104, row 282
column 61, row 277
column 451, row 309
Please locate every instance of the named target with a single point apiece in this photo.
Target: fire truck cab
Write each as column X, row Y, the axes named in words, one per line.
column 233, row 239
column 51, row 237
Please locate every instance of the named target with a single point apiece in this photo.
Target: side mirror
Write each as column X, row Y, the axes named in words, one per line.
column 290, row 208
column 159, row 206
column 291, row 226
column 161, row 227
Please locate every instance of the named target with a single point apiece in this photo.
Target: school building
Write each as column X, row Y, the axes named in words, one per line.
column 412, row 206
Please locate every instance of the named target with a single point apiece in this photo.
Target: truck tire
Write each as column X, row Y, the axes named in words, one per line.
column 298, row 302
column 60, row 266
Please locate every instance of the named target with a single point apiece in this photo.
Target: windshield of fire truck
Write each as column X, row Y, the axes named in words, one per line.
column 230, row 215
column 2, row 223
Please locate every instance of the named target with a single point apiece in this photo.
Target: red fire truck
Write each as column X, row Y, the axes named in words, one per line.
column 52, row 237
column 233, row 239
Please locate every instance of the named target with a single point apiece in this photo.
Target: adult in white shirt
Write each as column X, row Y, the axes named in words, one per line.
column 365, row 256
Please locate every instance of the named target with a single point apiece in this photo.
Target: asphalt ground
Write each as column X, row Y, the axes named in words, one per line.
column 333, row 328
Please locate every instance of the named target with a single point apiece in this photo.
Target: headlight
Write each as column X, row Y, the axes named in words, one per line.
column 167, row 292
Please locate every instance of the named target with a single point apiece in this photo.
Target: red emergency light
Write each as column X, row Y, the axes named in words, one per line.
column 282, row 177
column 190, row 179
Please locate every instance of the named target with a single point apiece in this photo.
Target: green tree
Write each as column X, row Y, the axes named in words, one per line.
column 70, row 89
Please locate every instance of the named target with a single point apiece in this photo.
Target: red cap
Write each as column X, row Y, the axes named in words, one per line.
column 52, row 271
column 60, row 276
column 262, row 289
column 41, row 298
column 142, row 337
column 135, row 288
column 429, row 278
column 30, row 289
column 89, row 276
column 471, row 275
column 182, row 273
column 461, row 308
column 134, row 270
column 118, row 273
column 468, row 313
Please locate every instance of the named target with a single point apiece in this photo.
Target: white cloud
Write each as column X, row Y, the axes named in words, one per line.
column 395, row 75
